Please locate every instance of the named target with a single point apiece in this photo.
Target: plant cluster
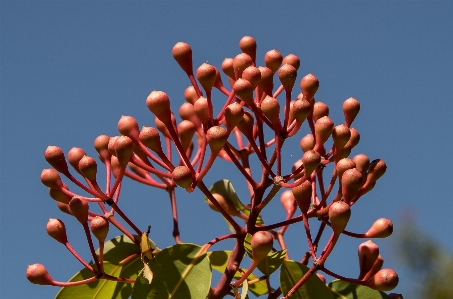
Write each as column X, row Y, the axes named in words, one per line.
column 131, row 265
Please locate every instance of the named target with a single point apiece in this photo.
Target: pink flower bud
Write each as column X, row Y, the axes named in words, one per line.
column 206, row 75
column 99, row 226
column 341, row 135
column 244, row 89
column 149, row 136
column 261, row 244
column 190, row 94
column 50, row 178
column 101, row 145
column 311, row 160
column 351, row 108
column 216, row 138
column 293, row 60
column 287, row 75
column 321, row 277
column 226, row 205
column 354, row 139
column 376, row 170
column 273, row 59
column 252, row 74
column 123, row 148
column 233, row 115
column 351, row 181
column 385, row 280
column 296, row 166
column 300, row 110
column 343, row 165
column 162, row 127
column 159, row 104
column 368, row 252
column 182, row 53
column 302, row 194
column 271, row 109
column 339, row 214
column 307, row 143
column 74, row 156
column 246, row 124
column 38, row 274
column 240, row 63
column 79, row 209
column 186, row 130
column 323, row 129
column 381, row 228
column 57, row 230
column 287, row 200
column 88, row 167
column 55, row 157
column 59, row 196
column 267, row 80
column 227, row 68
column 187, row 112
column 362, row 162
column 201, row 108
column 309, row 85
column 320, row 110
column 128, row 126
column 182, row 176
column 247, row 44
column 63, row 207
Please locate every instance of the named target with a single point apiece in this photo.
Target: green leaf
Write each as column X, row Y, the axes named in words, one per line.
column 115, row 251
column 180, row 271
column 345, row 290
column 314, row 288
column 219, row 260
column 272, row 262
column 245, row 289
column 225, row 188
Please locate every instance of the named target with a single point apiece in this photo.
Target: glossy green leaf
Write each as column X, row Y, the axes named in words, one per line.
column 291, row 272
column 245, row 290
column 115, row 251
column 180, row 271
column 272, row 262
column 345, row 290
column 219, row 260
column 225, row 188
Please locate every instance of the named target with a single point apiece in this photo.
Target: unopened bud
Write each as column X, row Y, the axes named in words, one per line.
column 247, row 44
column 323, row 129
column 74, row 156
column 309, row 85
column 287, row 200
column 216, row 138
column 351, row 108
column 244, row 89
column 252, row 74
column 302, row 194
column 50, row 178
column 384, row 280
column 261, row 244
column 381, row 228
column 273, row 59
column 292, row 60
column 57, row 230
column 149, row 136
column 362, row 162
column 233, row 115
column 339, row 214
column 226, row 205
column 307, row 143
column 240, row 63
column 182, row 176
column 320, row 109
column 79, row 209
column 311, row 160
column 99, row 226
column 287, row 75
column 101, row 145
column 351, row 181
column 206, row 75
column 159, row 104
column 341, row 135
column 128, row 126
column 38, row 274
column 88, row 168
column 190, row 94
column 55, row 157
column 182, row 53
column 271, row 109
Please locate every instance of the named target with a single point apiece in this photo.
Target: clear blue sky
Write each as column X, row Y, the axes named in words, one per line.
column 70, row 69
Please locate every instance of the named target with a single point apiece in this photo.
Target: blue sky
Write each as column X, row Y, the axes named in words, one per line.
column 70, row 69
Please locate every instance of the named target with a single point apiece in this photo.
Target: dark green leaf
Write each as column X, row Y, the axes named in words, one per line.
column 180, row 271
column 115, row 251
column 345, row 290
column 291, row 272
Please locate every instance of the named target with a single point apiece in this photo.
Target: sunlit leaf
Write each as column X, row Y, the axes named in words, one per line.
column 291, row 272
column 180, row 271
column 116, row 251
column 225, row 188
column 245, row 289
column 345, row 290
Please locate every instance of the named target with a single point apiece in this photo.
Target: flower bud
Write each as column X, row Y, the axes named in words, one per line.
column 99, row 226
column 296, row 166
column 267, row 80
column 110, row 147
column 216, row 138
column 354, row 139
column 351, row 108
column 341, row 135
column 149, row 136
column 226, row 205
column 244, row 89
column 323, row 129
column 384, row 280
column 79, row 209
column 273, row 59
column 343, row 165
column 182, row 176
column 201, row 108
column 339, row 214
column 309, row 85
column 320, row 110
column 287, row 200
column 287, row 75
column 240, row 63
column 307, row 143
column 233, row 115
column 74, row 156
column 302, row 194
column 362, row 162
column 63, row 207
column 321, row 277
column 38, row 274
column 59, row 195
column 300, row 110
column 128, row 126
column 57, row 230
column 247, row 44
column 293, row 60
column 190, row 94
column 101, row 145
column 351, row 181
column 246, row 124
column 186, row 130
column 88, row 167
column 252, row 74
column 182, row 53
column 206, row 75
column 159, row 104
column 271, row 109
column 368, row 252
column 162, row 127
column 123, row 148
column 261, row 244
column 227, row 68
column 311, row 160
column 187, row 112
column 376, row 170
column 55, row 157
column 50, row 178
column 381, row 228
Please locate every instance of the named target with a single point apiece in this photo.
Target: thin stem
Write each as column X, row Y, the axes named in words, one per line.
column 78, row 257
column 121, row 228
column 90, row 244
column 174, row 212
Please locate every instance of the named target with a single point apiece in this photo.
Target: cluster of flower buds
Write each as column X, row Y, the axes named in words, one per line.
column 234, row 134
